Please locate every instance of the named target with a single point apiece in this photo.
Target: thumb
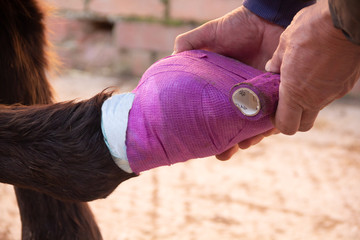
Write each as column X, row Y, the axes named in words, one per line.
column 274, row 64
column 197, row 38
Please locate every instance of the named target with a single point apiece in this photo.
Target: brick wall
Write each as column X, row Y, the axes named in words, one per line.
column 115, row 37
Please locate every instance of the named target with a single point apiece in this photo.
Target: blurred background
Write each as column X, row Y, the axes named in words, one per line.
column 124, row 37
column 287, row 187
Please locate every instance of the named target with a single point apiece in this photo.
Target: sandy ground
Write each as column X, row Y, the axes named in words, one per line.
column 300, row 187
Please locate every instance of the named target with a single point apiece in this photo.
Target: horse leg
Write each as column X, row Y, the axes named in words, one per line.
column 44, row 217
column 23, row 80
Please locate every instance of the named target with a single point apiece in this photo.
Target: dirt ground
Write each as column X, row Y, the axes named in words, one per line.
column 300, row 187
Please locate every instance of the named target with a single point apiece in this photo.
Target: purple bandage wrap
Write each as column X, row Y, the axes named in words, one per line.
column 183, row 109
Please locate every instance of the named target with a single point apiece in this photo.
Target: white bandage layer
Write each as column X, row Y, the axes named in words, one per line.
column 114, row 121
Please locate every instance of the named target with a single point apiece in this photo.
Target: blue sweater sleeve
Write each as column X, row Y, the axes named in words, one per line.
column 346, row 16
column 280, row 12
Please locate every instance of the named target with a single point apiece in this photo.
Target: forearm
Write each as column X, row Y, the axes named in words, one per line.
column 346, row 16
column 278, row 12
column 58, row 149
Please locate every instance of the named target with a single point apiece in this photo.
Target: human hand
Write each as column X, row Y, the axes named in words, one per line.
column 239, row 34
column 317, row 65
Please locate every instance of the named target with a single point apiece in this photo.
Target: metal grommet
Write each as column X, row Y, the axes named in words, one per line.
column 246, row 101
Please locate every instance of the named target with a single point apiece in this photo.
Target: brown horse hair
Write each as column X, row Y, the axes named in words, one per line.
column 23, row 58
column 23, row 65
column 58, row 149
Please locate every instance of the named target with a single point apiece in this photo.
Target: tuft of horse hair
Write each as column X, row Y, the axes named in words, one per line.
column 24, row 65
column 24, row 57
column 58, row 149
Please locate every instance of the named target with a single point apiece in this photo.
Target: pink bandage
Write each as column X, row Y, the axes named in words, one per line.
column 184, row 108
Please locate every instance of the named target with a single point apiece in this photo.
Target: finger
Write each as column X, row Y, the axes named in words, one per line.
column 288, row 114
column 274, row 64
column 228, row 153
column 307, row 120
column 256, row 139
column 251, row 141
column 271, row 132
column 197, row 38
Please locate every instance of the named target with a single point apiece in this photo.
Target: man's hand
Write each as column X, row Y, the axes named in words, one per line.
column 239, row 34
column 317, row 65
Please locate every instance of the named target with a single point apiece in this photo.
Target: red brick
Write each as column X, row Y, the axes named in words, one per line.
column 61, row 29
column 149, row 8
column 201, row 10
column 94, row 52
column 68, row 4
column 146, row 36
column 136, row 61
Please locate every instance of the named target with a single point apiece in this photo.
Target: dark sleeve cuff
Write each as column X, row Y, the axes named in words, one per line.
column 280, row 12
column 346, row 16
